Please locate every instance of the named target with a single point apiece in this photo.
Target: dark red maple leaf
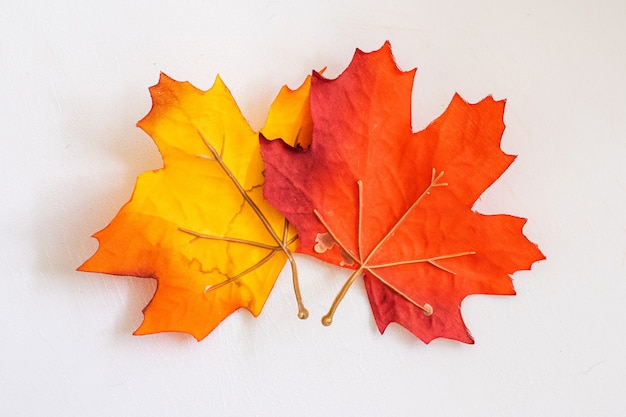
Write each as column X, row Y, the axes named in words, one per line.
column 396, row 206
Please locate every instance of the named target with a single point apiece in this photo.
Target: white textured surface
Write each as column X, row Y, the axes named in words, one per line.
column 74, row 82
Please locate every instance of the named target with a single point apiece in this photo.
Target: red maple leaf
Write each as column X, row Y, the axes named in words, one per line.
column 396, row 206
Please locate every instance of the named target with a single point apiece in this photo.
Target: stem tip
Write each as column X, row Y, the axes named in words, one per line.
column 303, row 313
column 428, row 310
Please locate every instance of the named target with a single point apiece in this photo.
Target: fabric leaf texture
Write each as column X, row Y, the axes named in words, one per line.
column 200, row 225
column 396, row 206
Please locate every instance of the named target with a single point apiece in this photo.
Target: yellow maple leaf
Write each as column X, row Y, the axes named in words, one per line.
column 200, row 225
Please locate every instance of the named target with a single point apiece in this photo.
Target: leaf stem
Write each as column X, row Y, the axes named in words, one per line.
column 302, row 311
column 360, row 220
column 227, row 239
column 364, row 263
column 431, row 260
column 274, row 250
column 426, row 308
column 327, row 319
column 433, row 183
column 197, row 235
column 239, row 275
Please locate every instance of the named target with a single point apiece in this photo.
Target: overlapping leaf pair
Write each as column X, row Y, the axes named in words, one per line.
column 217, row 224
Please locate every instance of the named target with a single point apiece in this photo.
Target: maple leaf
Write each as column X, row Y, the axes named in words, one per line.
column 396, row 206
column 200, row 225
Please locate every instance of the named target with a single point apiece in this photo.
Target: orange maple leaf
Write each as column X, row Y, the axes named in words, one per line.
column 396, row 206
column 200, row 226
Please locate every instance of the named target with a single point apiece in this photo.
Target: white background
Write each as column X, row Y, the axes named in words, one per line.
column 75, row 80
